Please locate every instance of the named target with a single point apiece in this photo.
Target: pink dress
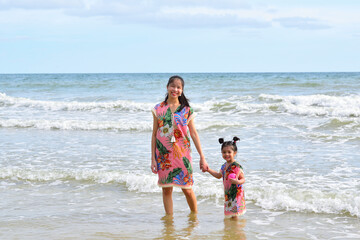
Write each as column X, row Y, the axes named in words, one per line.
column 173, row 153
column 234, row 194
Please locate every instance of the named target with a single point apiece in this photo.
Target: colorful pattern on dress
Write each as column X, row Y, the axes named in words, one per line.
column 174, row 163
column 234, row 193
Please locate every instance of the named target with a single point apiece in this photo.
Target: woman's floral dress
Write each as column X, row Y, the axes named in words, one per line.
column 234, row 193
column 173, row 153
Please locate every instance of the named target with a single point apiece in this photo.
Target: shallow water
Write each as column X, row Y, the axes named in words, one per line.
column 75, row 155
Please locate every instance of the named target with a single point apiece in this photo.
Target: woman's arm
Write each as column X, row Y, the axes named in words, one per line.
column 153, row 144
column 195, row 137
column 214, row 173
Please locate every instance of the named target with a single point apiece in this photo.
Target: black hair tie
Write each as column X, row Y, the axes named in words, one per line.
column 235, row 139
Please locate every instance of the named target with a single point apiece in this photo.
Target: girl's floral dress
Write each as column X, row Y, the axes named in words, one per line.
column 173, row 153
column 234, row 194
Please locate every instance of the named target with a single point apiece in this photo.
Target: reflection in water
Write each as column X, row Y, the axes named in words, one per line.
column 169, row 228
column 169, row 232
column 192, row 223
column 234, row 228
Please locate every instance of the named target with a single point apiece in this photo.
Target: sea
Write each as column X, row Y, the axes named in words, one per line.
column 75, row 156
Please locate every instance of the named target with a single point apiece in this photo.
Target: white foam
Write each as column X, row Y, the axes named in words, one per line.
column 134, row 182
column 321, row 105
column 320, row 195
column 121, row 125
column 271, row 196
column 123, row 105
column 218, row 124
column 286, row 197
column 311, row 105
column 283, row 197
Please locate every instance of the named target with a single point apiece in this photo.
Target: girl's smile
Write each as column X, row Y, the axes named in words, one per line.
column 228, row 154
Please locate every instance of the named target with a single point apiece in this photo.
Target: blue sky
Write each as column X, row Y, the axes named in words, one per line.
column 87, row 36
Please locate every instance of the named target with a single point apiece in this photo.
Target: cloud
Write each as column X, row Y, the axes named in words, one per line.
column 163, row 13
column 48, row 4
column 40, row 4
column 130, row 5
column 180, row 13
column 303, row 23
column 175, row 13
column 202, row 17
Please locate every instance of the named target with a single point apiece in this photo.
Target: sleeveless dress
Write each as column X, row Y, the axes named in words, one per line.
column 234, row 194
column 173, row 153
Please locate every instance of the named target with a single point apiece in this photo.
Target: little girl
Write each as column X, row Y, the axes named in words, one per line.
column 233, row 178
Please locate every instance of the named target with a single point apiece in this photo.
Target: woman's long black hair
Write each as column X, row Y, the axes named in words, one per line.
column 184, row 102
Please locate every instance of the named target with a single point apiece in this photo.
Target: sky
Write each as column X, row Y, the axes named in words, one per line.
column 175, row 36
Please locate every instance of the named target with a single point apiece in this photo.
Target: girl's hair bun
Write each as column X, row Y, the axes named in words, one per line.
column 229, row 143
column 235, row 139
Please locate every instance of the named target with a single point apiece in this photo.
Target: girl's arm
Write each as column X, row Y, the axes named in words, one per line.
column 214, row 173
column 239, row 180
column 153, row 144
column 195, row 137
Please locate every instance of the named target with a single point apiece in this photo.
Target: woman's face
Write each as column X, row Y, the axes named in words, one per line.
column 175, row 89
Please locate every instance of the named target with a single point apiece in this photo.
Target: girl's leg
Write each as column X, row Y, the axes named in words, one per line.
column 191, row 199
column 167, row 200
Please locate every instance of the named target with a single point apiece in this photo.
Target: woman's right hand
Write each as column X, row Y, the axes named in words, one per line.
column 153, row 166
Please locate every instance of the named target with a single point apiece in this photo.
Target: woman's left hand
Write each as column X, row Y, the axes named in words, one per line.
column 204, row 165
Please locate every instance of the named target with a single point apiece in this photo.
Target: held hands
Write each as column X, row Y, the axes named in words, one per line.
column 203, row 164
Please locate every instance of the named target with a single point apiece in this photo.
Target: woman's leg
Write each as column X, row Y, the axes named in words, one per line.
column 167, row 199
column 191, row 199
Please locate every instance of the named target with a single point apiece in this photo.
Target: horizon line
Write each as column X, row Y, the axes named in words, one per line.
column 179, row 72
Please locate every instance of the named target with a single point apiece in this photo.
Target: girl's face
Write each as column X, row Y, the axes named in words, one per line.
column 175, row 89
column 228, row 154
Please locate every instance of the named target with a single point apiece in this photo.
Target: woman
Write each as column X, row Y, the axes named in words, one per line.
column 170, row 144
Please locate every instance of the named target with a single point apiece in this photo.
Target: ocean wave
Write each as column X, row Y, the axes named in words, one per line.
column 308, row 105
column 316, row 105
column 218, row 125
column 134, row 182
column 121, row 105
column 341, row 124
column 122, row 125
column 292, row 83
column 338, row 123
column 270, row 196
column 282, row 197
column 329, row 137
